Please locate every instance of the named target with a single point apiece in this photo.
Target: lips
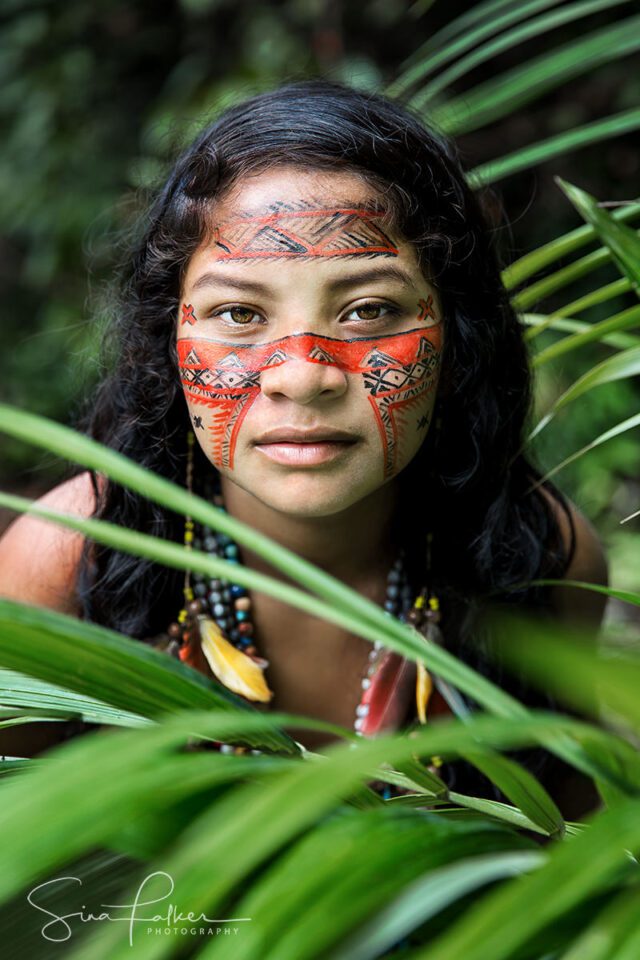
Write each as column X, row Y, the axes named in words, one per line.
column 305, row 435
column 297, row 447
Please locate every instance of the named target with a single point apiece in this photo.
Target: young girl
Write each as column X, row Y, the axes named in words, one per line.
column 313, row 332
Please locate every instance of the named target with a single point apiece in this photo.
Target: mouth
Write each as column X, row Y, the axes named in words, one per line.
column 292, row 446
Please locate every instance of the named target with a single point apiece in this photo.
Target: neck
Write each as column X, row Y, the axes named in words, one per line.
column 353, row 545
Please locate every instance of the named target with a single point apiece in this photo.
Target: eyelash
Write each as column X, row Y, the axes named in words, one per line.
column 390, row 311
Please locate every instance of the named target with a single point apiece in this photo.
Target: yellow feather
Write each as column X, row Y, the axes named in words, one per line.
column 235, row 669
column 424, row 686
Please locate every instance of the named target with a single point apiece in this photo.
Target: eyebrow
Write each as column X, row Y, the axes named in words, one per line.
column 389, row 272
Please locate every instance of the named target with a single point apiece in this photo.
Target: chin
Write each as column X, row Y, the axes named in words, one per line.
column 309, row 497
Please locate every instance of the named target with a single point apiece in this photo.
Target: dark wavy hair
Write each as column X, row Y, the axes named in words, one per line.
column 470, row 483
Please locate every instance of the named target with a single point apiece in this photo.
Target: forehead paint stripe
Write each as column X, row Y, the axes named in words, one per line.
column 339, row 232
column 398, row 370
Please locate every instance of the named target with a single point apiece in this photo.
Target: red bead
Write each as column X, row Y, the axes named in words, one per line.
column 246, row 629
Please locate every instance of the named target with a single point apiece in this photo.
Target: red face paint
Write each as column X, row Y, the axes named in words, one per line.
column 426, row 309
column 188, row 316
column 397, row 372
column 324, row 232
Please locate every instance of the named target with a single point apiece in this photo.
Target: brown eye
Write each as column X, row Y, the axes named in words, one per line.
column 368, row 311
column 241, row 314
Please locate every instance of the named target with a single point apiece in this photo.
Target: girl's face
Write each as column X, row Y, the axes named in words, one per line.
column 309, row 342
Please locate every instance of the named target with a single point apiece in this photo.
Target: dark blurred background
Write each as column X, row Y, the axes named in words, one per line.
column 96, row 99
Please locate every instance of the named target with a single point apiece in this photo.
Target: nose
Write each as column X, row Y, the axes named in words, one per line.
column 303, row 381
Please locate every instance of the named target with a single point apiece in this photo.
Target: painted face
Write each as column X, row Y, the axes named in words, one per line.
column 309, row 342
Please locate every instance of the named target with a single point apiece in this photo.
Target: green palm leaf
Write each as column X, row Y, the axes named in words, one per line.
column 517, row 87
column 629, row 424
column 535, row 261
column 557, row 146
column 461, row 35
column 623, row 243
column 619, row 367
column 570, row 13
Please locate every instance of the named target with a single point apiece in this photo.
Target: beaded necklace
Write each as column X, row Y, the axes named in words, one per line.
column 216, row 622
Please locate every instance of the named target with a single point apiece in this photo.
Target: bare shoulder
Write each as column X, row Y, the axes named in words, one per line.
column 39, row 559
column 588, row 565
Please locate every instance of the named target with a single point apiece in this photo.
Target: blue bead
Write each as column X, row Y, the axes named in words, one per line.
column 242, row 615
column 237, row 590
column 389, row 606
column 231, row 550
column 210, row 544
column 219, row 610
column 392, row 591
column 223, row 539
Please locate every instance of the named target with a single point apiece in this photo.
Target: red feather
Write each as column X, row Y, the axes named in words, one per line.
column 391, row 690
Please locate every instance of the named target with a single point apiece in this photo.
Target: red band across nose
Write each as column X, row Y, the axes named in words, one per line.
column 352, row 356
column 397, row 370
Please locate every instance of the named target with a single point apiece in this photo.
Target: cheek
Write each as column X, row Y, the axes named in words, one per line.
column 219, row 390
column 402, row 396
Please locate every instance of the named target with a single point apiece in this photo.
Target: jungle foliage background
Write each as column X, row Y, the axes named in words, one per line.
column 95, row 99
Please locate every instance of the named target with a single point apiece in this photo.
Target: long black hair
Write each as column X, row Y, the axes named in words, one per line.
column 470, row 482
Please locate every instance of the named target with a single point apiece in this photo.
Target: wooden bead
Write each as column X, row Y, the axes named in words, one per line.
column 243, row 603
column 175, row 630
column 195, row 607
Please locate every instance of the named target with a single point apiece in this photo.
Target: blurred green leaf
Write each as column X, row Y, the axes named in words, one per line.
column 520, row 787
column 101, row 664
column 626, row 320
column 536, row 260
column 441, row 48
column 629, row 424
column 623, row 243
column 569, row 13
column 545, row 150
column 619, row 367
column 512, row 90
column 503, row 922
